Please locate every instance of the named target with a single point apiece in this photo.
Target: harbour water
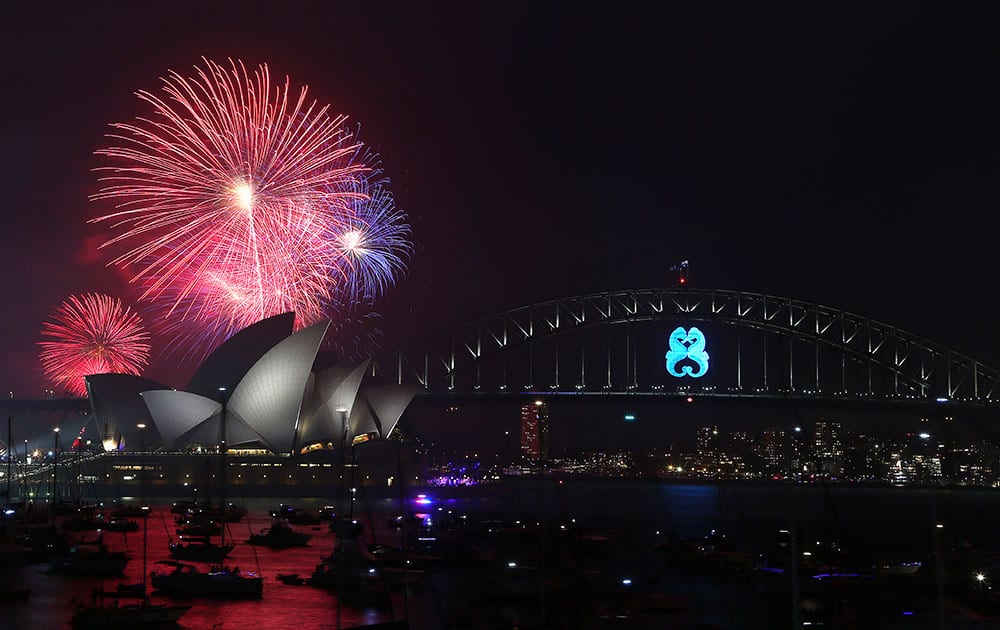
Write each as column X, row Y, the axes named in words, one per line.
column 872, row 523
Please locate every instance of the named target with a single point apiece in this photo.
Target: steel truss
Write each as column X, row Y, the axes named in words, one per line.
column 783, row 347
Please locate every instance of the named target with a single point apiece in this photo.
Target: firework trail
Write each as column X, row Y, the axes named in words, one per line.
column 92, row 334
column 232, row 202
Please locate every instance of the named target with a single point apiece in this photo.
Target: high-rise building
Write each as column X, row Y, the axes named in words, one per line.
column 828, row 448
column 826, row 439
column 707, row 440
column 535, row 430
column 773, row 449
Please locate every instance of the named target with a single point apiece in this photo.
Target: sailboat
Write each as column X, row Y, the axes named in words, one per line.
column 196, row 528
column 279, row 535
column 91, row 558
column 107, row 609
column 219, row 580
column 195, row 539
column 199, row 548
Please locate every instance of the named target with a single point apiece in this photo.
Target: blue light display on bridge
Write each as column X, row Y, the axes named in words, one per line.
column 687, row 345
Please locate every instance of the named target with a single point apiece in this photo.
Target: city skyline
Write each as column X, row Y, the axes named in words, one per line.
column 824, row 450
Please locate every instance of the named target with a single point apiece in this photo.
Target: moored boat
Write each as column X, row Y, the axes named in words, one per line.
column 92, row 559
column 219, row 581
column 279, row 536
column 115, row 614
column 122, row 525
column 130, row 511
column 199, row 548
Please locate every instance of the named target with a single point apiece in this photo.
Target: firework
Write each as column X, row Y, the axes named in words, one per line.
column 233, row 199
column 373, row 239
column 92, row 334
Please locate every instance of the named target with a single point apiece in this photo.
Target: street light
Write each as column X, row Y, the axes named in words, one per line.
column 55, row 464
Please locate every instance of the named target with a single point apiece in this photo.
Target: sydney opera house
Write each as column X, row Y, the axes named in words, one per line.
column 259, row 397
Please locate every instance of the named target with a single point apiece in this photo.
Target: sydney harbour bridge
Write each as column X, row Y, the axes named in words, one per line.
column 669, row 342
column 690, row 341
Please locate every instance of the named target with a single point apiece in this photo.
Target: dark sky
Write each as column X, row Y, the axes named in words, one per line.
column 836, row 152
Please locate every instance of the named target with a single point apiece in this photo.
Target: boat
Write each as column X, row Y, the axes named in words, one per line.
column 130, row 511
column 129, row 605
column 81, row 523
column 231, row 513
column 187, row 505
column 279, row 536
column 354, row 573
column 642, row 610
column 295, row 516
column 201, row 513
column 122, row 525
column 346, row 527
column 199, row 548
column 199, row 529
column 218, row 581
column 41, row 541
column 291, row 579
column 887, row 567
column 391, row 557
column 89, row 558
column 108, row 610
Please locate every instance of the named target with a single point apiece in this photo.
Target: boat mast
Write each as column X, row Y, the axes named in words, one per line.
column 145, row 521
column 10, row 456
column 222, row 461
column 25, row 476
column 55, row 480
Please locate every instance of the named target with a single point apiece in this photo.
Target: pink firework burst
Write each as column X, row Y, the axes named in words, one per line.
column 92, row 334
column 230, row 198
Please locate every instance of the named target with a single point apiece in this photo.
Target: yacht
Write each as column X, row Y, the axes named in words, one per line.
column 218, row 581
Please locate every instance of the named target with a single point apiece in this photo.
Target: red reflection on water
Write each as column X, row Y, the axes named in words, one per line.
column 53, row 597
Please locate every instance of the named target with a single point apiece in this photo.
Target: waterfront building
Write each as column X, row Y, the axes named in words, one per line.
column 285, row 421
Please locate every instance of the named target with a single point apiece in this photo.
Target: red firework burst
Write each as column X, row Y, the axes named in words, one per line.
column 230, row 198
column 92, row 334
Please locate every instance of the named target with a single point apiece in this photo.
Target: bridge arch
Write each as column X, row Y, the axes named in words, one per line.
column 760, row 345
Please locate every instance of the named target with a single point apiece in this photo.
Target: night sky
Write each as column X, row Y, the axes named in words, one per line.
column 838, row 153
